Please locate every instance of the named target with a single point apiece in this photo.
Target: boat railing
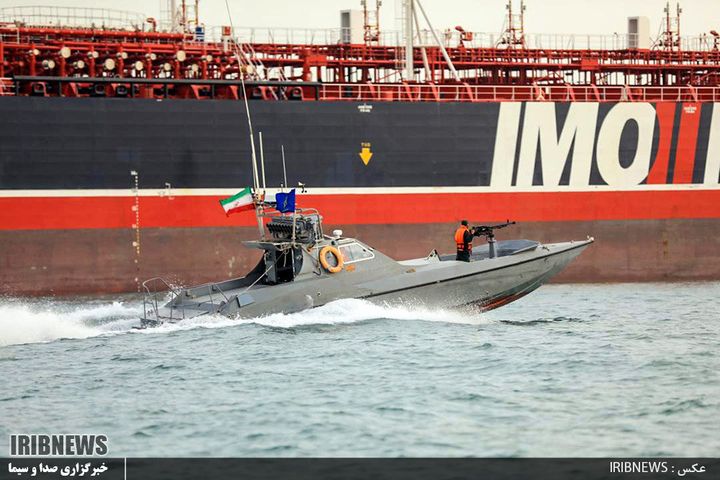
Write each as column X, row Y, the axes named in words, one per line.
column 272, row 213
column 151, row 295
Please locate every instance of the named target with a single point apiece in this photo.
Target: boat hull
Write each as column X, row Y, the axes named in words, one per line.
column 485, row 283
column 494, row 287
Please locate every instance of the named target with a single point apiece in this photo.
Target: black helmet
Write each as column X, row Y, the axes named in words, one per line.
column 464, row 222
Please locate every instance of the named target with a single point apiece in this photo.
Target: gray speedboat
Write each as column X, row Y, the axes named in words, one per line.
column 302, row 268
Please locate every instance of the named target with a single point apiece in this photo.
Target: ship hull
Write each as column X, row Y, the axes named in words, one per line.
column 640, row 178
column 103, row 260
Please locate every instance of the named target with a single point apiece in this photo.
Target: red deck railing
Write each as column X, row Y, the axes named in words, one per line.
column 199, row 89
column 520, row 93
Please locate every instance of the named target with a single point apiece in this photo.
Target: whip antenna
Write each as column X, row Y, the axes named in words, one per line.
column 256, row 181
column 282, row 149
column 247, row 105
column 262, row 161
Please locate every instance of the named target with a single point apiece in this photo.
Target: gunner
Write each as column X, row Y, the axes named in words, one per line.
column 463, row 241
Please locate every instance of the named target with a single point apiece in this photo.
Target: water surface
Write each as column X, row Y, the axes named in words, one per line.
column 571, row 370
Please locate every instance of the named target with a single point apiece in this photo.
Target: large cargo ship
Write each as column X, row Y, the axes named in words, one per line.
column 117, row 142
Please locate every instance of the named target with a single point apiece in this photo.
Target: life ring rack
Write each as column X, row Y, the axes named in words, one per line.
column 338, row 258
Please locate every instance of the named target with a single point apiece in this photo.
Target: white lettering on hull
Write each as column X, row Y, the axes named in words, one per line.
column 505, row 144
column 540, row 126
column 608, row 147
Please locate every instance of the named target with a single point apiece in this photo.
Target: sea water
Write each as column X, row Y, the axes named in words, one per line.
column 570, row 370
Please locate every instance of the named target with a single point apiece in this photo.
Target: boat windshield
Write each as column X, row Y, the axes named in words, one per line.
column 354, row 252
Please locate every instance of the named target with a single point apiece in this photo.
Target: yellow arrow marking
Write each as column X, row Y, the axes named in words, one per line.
column 365, row 153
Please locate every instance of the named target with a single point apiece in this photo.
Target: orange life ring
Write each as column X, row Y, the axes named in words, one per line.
column 338, row 257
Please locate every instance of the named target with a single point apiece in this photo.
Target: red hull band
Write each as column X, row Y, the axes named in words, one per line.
column 59, row 213
column 687, row 142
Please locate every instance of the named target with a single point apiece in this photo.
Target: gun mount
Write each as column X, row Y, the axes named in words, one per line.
column 307, row 226
column 488, row 231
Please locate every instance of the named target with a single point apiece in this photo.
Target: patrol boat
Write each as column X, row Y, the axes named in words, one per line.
column 302, row 268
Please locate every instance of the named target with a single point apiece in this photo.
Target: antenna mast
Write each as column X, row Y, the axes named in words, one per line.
column 514, row 34
column 372, row 21
column 183, row 18
column 670, row 38
column 408, row 8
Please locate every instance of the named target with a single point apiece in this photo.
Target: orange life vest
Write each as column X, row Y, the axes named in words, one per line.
column 460, row 239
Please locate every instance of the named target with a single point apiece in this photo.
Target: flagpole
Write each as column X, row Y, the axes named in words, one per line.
column 294, row 220
column 256, row 182
column 258, row 206
column 282, row 148
column 262, row 161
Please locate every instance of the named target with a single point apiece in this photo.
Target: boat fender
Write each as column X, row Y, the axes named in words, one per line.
column 338, row 257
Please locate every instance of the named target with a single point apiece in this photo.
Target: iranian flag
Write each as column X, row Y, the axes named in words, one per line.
column 240, row 202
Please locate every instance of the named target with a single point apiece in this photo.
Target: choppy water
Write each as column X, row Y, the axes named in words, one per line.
column 573, row 370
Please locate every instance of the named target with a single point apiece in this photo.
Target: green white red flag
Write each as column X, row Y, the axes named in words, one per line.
column 240, row 202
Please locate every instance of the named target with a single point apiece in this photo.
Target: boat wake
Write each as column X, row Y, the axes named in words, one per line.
column 27, row 321
column 334, row 313
column 23, row 321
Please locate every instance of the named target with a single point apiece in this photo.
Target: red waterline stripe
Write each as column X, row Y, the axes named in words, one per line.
column 358, row 209
column 687, row 142
column 666, row 118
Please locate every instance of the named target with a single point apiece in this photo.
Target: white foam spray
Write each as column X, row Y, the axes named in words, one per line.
column 32, row 322
column 334, row 313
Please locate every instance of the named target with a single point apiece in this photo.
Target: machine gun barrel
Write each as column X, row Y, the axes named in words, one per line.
column 489, row 229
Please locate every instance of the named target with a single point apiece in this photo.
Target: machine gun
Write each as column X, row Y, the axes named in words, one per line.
column 488, row 231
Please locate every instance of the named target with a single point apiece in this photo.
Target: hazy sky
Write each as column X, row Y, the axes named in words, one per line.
column 543, row 16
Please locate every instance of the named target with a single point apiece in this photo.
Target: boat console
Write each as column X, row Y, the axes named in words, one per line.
column 283, row 252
